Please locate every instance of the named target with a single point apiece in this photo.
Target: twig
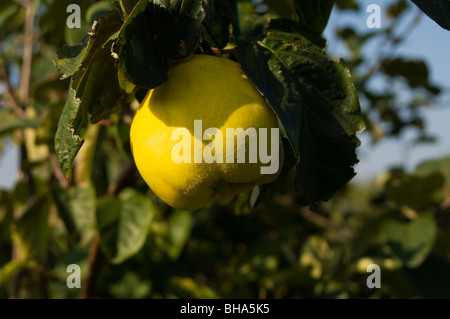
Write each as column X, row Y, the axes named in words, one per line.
column 27, row 54
column 56, row 171
column 324, row 222
column 21, row 104
column 13, row 104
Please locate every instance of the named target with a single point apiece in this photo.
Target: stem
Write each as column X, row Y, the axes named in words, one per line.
column 18, row 106
column 27, row 54
column 13, row 103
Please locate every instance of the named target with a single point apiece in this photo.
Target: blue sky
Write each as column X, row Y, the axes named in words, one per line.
column 428, row 41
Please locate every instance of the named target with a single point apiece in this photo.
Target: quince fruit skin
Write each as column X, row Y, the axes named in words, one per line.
column 213, row 90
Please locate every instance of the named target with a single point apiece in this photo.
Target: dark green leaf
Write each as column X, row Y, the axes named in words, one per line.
column 347, row 4
column 98, row 86
column 411, row 242
column 76, row 208
column 414, row 191
column 156, row 33
column 431, row 280
column 396, row 9
column 30, row 232
column 180, row 226
column 123, row 224
column 314, row 14
column 415, row 72
column 316, row 101
column 220, row 15
column 128, row 6
column 438, row 10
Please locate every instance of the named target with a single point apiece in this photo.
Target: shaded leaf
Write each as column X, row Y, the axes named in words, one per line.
column 76, row 207
column 431, row 279
column 316, row 101
column 415, row 72
column 123, row 224
column 314, row 14
column 438, row 10
column 414, row 191
column 411, row 242
column 30, row 232
column 220, row 15
column 180, row 226
column 155, row 33
column 347, row 4
column 441, row 166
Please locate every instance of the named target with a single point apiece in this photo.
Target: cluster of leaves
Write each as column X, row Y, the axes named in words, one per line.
column 81, row 201
column 313, row 96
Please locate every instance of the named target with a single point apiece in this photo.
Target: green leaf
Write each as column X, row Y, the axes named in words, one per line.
column 180, row 226
column 8, row 10
column 68, row 139
column 8, row 270
column 188, row 288
column 7, row 127
column 76, row 207
column 438, row 10
column 30, row 232
column 414, row 191
column 441, row 166
column 316, row 101
column 347, row 4
column 94, row 88
column 127, row 6
column 431, row 280
column 155, row 33
column 415, row 72
column 70, row 58
column 123, row 224
column 412, row 241
column 314, row 14
column 220, row 15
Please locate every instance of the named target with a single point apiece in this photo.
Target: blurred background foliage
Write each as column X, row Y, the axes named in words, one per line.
column 130, row 245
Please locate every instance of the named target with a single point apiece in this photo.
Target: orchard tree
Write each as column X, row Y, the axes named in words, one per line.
column 73, row 78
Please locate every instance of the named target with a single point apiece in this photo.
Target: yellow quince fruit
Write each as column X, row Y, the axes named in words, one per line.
column 206, row 134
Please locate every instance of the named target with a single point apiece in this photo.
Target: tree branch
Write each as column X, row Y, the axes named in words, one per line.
column 13, row 104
